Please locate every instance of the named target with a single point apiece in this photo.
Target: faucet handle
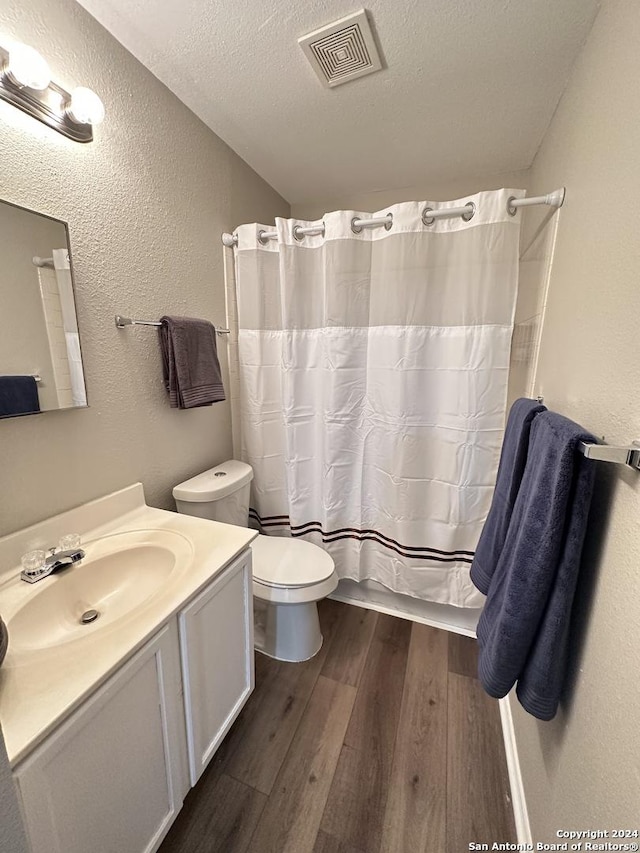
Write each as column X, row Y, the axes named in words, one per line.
column 33, row 563
column 70, row 542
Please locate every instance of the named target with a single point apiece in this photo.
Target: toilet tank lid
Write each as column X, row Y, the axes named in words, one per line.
column 214, row 484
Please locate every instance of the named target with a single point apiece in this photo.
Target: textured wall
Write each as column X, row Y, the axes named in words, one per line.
column 583, row 769
column 146, row 203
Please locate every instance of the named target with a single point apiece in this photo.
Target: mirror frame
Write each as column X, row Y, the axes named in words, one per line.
column 75, row 303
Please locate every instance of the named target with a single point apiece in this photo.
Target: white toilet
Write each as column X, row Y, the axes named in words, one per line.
column 289, row 575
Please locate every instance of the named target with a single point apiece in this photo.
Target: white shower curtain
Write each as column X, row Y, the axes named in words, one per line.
column 373, row 373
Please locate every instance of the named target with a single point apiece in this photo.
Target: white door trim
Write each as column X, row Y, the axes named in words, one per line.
column 520, row 813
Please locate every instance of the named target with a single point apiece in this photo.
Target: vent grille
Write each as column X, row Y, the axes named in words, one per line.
column 342, row 51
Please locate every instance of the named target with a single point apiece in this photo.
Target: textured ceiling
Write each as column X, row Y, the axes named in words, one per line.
column 468, row 89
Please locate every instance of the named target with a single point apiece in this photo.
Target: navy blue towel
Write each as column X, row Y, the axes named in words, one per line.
column 523, row 629
column 510, row 471
column 18, row 396
column 4, row 640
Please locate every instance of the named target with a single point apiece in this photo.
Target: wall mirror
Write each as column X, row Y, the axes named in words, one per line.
column 40, row 359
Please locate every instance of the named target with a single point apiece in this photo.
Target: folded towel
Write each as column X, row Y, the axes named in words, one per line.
column 510, row 471
column 190, row 362
column 18, row 396
column 4, row 640
column 523, row 629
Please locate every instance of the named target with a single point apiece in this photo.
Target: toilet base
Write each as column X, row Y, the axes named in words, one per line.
column 287, row 632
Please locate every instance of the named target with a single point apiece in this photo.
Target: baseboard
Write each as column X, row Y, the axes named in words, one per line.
column 520, row 814
column 375, row 597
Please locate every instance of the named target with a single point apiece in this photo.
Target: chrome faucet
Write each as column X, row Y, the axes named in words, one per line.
column 53, row 563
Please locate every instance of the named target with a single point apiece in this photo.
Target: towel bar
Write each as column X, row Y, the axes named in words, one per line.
column 36, row 376
column 623, row 455
column 121, row 322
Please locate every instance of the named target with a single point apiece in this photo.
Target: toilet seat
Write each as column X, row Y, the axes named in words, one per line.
column 279, row 561
column 291, row 571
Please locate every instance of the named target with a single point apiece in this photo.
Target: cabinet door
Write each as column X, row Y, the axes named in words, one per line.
column 103, row 782
column 216, row 642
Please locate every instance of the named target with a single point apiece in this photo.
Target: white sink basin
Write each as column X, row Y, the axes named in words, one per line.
column 142, row 565
column 120, row 574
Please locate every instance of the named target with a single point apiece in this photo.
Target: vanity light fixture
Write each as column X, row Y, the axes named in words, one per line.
column 25, row 67
column 85, row 107
column 25, row 82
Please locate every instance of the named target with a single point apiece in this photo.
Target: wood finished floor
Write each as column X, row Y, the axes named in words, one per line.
column 384, row 742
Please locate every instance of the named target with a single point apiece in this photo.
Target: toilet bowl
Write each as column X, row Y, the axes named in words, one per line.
column 290, row 575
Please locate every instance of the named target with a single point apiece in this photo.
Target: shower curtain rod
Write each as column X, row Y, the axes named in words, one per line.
column 429, row 215
column 42, row 262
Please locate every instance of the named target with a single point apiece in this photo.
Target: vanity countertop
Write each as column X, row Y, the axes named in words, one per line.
column 39, row 687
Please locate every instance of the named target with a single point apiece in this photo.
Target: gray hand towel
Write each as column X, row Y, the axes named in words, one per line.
column 523, row 629
column 510, row 470
column 4, row 640
column 190, row 362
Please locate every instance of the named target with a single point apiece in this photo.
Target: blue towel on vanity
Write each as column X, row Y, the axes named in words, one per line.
column 18, row 396
column 524, row 628
column 510, row 471
column 4, row 640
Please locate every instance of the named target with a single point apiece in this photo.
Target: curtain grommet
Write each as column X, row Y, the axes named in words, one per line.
column 355, row 228
column 426, row 219
column 511, row 210
column 297, row 233
column 467, row 217
column 261, row 237
column 389, row 225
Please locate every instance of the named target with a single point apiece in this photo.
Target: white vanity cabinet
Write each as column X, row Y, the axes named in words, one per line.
column 216, row 642
column 108, row 779
column 112, row 777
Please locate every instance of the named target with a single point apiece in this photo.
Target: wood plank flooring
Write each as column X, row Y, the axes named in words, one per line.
column 384, row 742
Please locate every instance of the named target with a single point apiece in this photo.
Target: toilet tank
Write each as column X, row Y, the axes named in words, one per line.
column 219, row 494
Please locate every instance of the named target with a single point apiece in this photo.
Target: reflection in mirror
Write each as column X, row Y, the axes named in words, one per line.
column 40, row 359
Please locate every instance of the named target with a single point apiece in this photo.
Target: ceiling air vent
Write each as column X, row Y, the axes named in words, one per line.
column 342, row 51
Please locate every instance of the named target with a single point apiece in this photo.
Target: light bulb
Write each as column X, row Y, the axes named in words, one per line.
column 27, row 68
column 85, row 107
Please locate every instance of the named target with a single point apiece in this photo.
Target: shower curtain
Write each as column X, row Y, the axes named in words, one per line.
column 373, row 372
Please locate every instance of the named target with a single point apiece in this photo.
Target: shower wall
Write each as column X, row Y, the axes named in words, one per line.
column 537, row 243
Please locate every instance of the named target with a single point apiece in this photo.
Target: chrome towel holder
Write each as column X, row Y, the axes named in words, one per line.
column 625, row 454
column 123, row 322
column 621, row 454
